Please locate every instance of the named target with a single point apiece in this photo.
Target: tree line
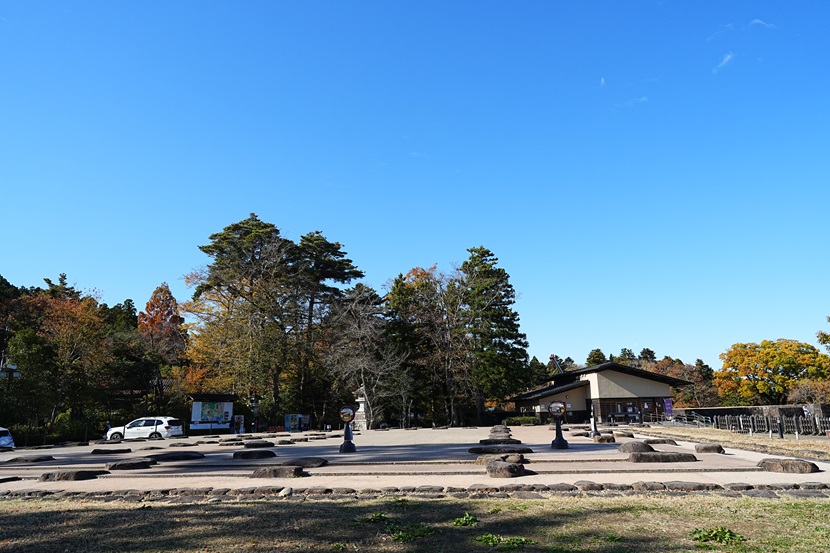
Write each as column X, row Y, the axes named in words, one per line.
column 283, row 320
column 289, row 322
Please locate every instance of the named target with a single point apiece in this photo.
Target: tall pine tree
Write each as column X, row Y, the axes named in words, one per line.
column 498, row 349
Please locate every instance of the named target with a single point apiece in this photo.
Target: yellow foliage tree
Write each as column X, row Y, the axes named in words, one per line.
column 763, row 374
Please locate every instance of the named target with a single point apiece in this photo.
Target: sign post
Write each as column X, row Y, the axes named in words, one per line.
column 557, row 411
column 347, row 416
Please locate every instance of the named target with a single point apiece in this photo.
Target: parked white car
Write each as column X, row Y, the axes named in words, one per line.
column 147, row 427
column 6, row 439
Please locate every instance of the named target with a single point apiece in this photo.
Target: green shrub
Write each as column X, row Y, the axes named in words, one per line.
column 718, row 534
column 518, row 421
column 503, row 544
column 466, row 520
column 377, row 516
column 409, row 533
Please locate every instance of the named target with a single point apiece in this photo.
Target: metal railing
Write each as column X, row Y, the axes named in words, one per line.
column 746, row 424
column 751, row 424
column 692, row 419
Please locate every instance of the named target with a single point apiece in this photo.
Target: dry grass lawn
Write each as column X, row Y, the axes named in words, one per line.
column 642, row 524
column 663, row 523
column 815, row 447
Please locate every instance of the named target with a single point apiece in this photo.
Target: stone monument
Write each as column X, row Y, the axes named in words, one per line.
column 360, row 415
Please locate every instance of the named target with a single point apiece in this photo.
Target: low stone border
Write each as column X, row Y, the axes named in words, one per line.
column 474, row 491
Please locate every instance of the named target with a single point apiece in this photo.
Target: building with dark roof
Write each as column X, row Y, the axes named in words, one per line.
column 611, row 391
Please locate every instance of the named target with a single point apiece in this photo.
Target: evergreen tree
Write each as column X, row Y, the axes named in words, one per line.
column 323, row 265
column 539, row 371
column 250, row 309
column 647, row 356
column 270, row 298
column 595, row 357
column 498, row 347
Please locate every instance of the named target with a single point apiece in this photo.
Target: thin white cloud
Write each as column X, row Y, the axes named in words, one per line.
column 602, row 82
column 764, row 24
column 723, row 29
column 727, row 59
column 633, row 102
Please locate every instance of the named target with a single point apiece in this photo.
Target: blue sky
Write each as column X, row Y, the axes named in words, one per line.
column 650, row 173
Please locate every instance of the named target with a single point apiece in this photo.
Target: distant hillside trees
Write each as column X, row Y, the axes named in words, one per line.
column 700, row 392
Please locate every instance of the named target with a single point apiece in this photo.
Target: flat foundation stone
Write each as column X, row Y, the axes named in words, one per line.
column 177, row 456
column 792, row 466
column 658, row 441
column 635, row 447
column 132, row 464
column 258, row 444
column 254, row 454
column 661, row 457
column 71, row 475
column 709, row 448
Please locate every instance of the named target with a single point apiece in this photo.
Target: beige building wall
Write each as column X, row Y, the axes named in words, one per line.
column 613, row 384
column 575, row 398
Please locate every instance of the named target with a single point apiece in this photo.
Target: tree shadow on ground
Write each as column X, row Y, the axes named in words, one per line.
column 302, row 524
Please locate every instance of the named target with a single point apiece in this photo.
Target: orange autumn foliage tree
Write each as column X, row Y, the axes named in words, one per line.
column 187, row 380
column 161, row 326
column 700, row 392
column 73, row 328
